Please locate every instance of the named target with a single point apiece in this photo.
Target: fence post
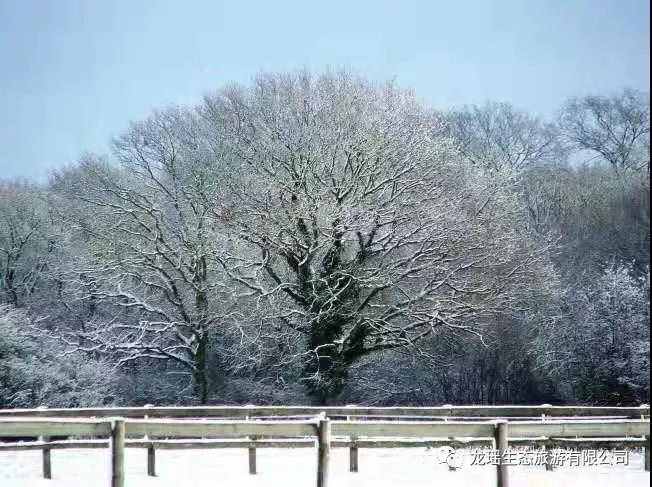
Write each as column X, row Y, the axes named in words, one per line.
column 151, row 461
column 151, row 451
column 547, row 447
column 646, row 447
column 451, row 454
column 353, row 456
column 550, row 466
column 252, row 448
column 252, row 456
column 501, row 435
column 117, row 452
column 353, row 449
column 46, row 454
column 323, row 450
column 451, row 466
column 47, row 458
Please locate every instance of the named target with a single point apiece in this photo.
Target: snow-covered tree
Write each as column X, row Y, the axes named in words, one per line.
column 600, row 351
column 499, row 138
column 35, row 369
column 615, row 128
column 365, row 232
column 24, row 241
column 151, row 252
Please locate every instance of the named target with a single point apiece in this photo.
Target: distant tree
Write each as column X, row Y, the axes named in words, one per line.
column 24, row 242
column 35, row 369
column 497, row 137
column 616, row 128
column 598, row 215
column 600, row 350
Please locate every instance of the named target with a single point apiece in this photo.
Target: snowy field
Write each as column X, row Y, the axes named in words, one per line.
column 412, row 467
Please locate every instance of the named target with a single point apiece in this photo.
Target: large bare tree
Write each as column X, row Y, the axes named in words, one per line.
column 365, row 231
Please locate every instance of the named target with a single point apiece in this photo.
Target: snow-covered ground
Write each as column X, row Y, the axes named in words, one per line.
column 412, row 467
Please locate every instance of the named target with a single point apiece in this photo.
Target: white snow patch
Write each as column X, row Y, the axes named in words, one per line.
column 410, row 467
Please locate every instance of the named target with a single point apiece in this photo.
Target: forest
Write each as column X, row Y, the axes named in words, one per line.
column 328, row 239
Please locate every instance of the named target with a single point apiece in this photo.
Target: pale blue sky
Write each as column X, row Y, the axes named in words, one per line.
column 73, row 73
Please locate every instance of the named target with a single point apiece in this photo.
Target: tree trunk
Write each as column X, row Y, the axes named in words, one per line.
column 199, row 375
column 327, row 368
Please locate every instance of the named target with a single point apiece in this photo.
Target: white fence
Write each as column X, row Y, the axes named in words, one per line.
column 610, row 427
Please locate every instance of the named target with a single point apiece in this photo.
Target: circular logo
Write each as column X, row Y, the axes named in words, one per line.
column 455, row 459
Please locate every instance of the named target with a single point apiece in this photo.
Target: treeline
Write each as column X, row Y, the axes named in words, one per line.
column 326, row 239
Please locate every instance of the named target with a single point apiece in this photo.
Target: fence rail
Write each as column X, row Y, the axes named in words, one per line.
column 118, row 433
column 199, row 444
column 445, row 411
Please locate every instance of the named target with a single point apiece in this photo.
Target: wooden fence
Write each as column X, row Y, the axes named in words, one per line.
column 441, row 412
column 320, row 432
column 118, row 429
